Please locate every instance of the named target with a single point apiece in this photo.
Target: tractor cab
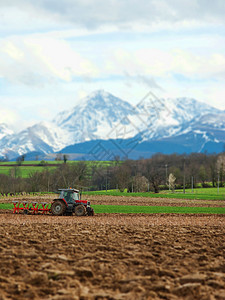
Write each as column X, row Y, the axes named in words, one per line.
column 69, row 195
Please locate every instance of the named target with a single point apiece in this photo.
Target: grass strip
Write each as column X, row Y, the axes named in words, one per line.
column 157, row 209
column 6, row 206
column 133, row 209
column 206, row 196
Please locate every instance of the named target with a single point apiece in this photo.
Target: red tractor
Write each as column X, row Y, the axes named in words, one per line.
column 70, row 202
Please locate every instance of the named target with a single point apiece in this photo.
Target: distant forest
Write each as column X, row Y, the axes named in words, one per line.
column 154, row 174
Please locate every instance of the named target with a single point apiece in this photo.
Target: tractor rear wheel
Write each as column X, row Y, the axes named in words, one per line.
column 58, row 208
column 80, row 210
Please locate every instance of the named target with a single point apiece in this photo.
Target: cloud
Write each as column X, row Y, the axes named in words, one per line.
column 62, row 47
column 94, row 13
column 146, row 80
column 39, row 60
column 147, row 63
column 190, row 64
column 43, row 59
column 99, row 13
column 60, row 59
column 8, row 116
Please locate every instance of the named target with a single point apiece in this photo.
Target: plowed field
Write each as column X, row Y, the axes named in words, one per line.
column 112, row 256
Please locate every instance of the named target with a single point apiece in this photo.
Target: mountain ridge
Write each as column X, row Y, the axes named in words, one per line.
column 102, row 116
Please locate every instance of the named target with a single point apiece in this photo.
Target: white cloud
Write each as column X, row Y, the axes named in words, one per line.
column 13, row 51
column 8, row 116
column 40, row 60
column 158, row 63
column 60, row 59
column 52, row 53
column 92, row 14
column 48, row 14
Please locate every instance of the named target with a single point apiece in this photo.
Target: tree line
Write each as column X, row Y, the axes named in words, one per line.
column 158, row 172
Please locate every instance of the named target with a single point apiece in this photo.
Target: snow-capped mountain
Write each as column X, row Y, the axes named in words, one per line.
column 210, row 128
column 26, row 141
column 94, row 118
column 4, row 130
column 212, row 122
column 170, row 117
column 102, row 116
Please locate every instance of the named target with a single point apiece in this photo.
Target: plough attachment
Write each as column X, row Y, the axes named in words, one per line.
column 31, row 207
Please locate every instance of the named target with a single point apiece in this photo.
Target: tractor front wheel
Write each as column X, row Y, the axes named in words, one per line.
column 58, row 208
column 80, row 210
column 90, row 211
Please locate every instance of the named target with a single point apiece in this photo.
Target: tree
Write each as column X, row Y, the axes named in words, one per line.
column 5, row 184
column 202, row 175
column 221, row 167
column 122, row 175
column 35, row 181
column 154, row 171
column 213, row 169
column 138, row 184
column 20, row 159
column 65, row 158
column 177, row 173
column 117, row 159
column 15, row 172
column 172, row 180
column 42, row 163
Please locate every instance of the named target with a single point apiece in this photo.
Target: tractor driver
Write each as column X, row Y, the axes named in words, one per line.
column 69, row 197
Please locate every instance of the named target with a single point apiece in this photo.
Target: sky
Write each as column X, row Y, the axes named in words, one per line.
column 54, row 53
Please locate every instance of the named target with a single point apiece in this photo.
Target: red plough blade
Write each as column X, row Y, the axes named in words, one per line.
column 31, row 207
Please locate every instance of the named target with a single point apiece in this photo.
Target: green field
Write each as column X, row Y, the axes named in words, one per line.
column 6, row 206
column 199, row 193
column 133, row 209
column 53, row 162
column 157, row 209
column 33, row 162
column 24, row 170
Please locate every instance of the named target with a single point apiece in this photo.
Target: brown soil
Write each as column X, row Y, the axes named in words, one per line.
column 123, row 200
column 112, row 256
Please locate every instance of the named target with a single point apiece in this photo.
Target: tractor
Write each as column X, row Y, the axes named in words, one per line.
column 70, row 202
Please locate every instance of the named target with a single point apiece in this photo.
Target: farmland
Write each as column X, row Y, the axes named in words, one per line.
column 112, row 257
column 27, row 168
column 197, row 193
column 171, row 249
column 139, row 245
column 195, row 176
column 117, row 202
column 146, row 209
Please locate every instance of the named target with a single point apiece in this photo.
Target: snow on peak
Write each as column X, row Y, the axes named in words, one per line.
column 98, row 115
column 99, row 93
column 4, row 130
column 94, row 116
